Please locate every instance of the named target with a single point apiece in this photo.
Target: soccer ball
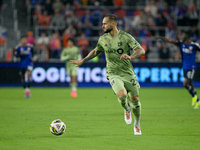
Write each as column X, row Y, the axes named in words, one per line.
column 57, row 127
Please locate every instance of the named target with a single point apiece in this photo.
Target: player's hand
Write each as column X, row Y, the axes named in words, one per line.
column 77, row 62
column 125, row 57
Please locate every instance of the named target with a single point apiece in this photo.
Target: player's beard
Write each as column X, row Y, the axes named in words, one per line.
column 108, row 30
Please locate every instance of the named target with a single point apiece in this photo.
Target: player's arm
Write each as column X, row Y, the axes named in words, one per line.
column 17, row 52
column 197, row 47
column 63, row 56
column 165, row 39
column 91, row 55
column 133, row 44
column 139, row 51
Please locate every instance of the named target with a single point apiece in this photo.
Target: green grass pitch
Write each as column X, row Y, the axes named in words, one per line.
column 95, row 120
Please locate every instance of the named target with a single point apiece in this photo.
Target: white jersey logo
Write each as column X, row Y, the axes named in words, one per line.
column 186, row 50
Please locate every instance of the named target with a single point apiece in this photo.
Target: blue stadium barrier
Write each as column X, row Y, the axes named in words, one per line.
column 94, row 75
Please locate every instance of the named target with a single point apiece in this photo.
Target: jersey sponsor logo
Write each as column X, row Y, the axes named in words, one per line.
column 186, row 50
column 120, row 51
column 53, row 75
column 111, row 51
column 26, row 52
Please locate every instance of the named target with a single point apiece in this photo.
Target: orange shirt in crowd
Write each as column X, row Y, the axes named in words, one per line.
column 44, row 20
column 83, row 43
column 118, row 3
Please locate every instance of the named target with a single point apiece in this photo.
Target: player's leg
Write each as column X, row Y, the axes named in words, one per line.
column 28, row 83
column 118, row 87
column 72, row 72
column 22, row 74
column 136, row 108
column 188, row 84
column 29, row 79
column 195, row 98
column 23, row 79
column 132, row 85
column 122, row 98
column 73, row 85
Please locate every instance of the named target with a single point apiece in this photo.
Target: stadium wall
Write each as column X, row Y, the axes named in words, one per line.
column 94, row 75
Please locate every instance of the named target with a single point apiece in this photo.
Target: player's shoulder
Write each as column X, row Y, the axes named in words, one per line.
column 30, row 45
column 179, row 41
column 125, row 33
column 19, row 45
column 105, row 35
column 76, row 48
column 65, row 49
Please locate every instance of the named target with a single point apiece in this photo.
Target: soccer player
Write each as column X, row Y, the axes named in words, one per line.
column 71, row 52
column 117, row 45
column 25, row 52
column 188, row 50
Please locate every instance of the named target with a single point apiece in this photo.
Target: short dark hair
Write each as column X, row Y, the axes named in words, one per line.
column 112, row 17
column 23, row 36
column 71, row 39
column 187, row 32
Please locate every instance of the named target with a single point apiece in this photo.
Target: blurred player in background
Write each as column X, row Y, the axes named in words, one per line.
column 68, row 53
column 25, row 52
column 117, row 45
column 188, row 51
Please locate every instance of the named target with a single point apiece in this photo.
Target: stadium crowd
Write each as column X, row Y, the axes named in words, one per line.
column 58, row 20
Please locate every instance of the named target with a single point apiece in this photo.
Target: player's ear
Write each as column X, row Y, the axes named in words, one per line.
column 113, row 23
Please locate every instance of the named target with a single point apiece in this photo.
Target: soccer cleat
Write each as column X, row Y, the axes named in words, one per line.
column 137, row 131
column 127, row 117
column 194, row 99
column 27, row 94
column 197, row 105
column 73, row 94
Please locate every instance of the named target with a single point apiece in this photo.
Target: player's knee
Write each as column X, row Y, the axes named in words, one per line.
column 28, row 74
column 134, row 98
column 121, row 93
column 135, row 103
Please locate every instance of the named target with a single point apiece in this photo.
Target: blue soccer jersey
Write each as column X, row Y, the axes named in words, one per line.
column 188, row 53
column 25, row 56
